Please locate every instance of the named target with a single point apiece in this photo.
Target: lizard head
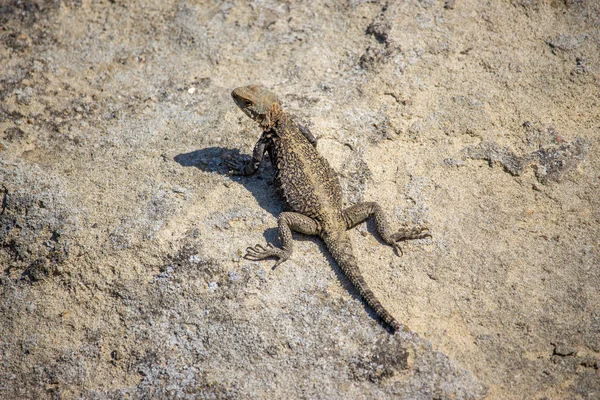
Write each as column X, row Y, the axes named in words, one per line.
column 258, row 103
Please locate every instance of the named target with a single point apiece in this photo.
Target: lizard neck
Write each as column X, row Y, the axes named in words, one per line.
column 281, row 125
column 272, row 117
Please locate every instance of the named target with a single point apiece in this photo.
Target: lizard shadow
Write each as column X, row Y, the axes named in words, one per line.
column 261, row 186
column 210, row 159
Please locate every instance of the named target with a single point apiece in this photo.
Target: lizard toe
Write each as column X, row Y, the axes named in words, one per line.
column 279, row 261
column 260, row 252
column 410, row 233
column 398, row 250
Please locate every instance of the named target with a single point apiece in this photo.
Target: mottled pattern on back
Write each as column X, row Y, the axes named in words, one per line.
column 304, row 179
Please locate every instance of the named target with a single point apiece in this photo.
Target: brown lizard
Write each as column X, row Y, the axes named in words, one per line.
column 311, row 191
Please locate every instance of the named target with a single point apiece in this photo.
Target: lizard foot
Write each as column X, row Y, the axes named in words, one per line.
column 417, row 232
column 260, row 252
column 234, row 166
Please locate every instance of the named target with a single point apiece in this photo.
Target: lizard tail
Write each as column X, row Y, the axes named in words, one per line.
column 340, row 247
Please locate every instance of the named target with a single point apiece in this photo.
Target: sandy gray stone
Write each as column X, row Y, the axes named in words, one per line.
column 121, row 233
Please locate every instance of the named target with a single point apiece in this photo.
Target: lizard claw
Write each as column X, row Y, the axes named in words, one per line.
column 281, row 259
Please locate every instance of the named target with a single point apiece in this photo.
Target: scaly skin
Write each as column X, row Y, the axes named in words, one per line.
column 311, row 191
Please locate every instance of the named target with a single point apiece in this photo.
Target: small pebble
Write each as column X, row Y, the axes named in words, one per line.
column 564, row 350
column 195, row 259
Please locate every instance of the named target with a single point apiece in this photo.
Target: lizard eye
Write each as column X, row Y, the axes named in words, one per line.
column 248, row 103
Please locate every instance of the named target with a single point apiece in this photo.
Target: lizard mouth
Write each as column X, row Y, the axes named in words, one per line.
column 253, row 114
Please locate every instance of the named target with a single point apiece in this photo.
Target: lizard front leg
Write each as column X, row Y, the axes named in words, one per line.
column 308, row 134
column 359, row 212
column 252, row 167
column 288, row 222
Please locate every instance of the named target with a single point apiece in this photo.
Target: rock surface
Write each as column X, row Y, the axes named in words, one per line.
column 121, row 233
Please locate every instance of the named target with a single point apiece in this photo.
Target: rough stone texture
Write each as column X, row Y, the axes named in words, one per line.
column 121, row 234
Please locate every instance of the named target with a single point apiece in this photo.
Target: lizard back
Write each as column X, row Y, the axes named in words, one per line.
column 304, row 179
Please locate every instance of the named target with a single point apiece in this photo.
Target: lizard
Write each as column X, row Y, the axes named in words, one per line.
column 311, row 193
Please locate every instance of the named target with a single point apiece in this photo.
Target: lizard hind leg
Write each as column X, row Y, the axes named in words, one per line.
column 358, row 213
column 288, row 222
